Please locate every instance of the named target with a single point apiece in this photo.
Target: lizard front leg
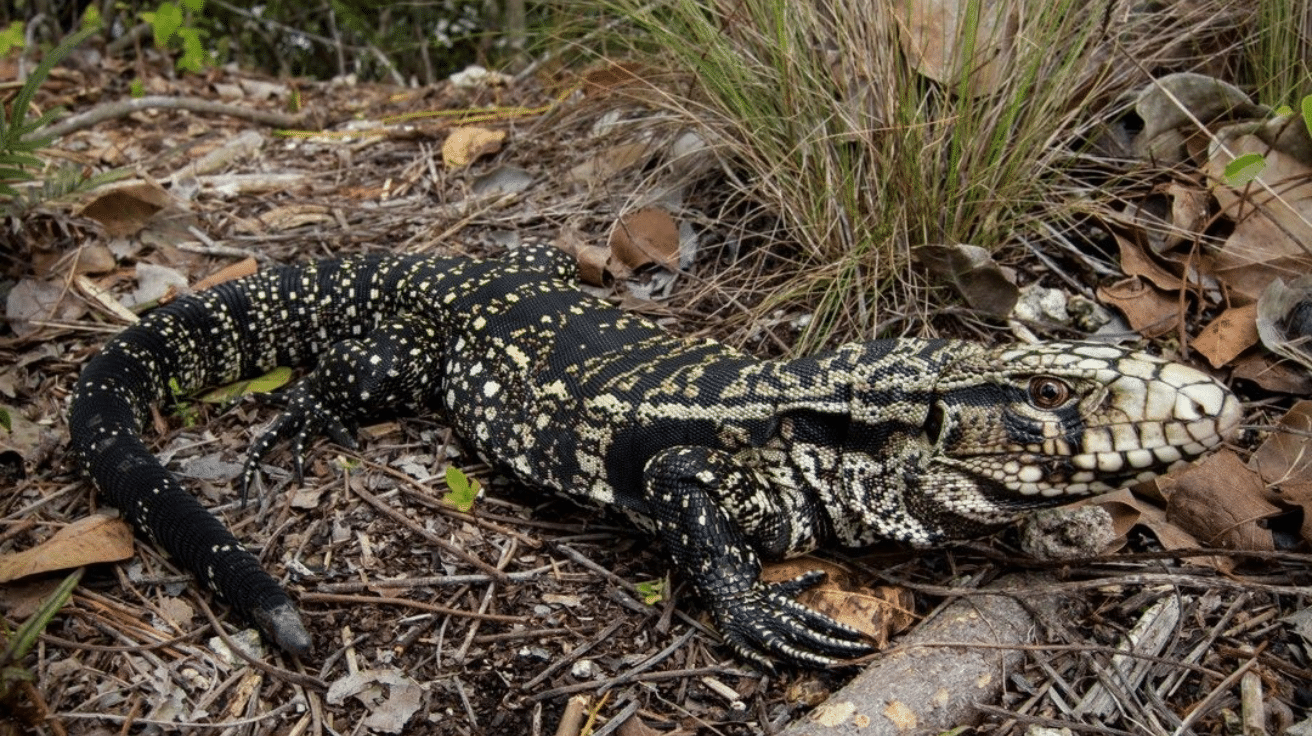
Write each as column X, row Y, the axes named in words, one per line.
column 692, row 494
column 396, row 367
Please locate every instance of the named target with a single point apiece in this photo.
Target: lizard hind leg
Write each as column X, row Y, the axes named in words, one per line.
column 397, row 367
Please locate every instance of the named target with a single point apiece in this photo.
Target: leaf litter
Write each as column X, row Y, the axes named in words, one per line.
column 567, row 594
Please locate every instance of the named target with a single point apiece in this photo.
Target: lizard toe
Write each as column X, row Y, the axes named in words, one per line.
column 768, row 623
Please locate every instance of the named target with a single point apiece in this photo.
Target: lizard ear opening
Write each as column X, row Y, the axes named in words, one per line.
column 933, row 426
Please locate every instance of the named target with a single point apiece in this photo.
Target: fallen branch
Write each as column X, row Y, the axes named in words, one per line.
column 123, row 108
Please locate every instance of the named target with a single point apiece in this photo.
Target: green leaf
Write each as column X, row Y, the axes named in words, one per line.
column 165, row 21
column 5, row 421
column 1307, row 113
column 38, row 76
column 1244, row 169
column 464, row 490
column 193, row 53
column 11, row 37
column 194, row 6
column 652, row 591
column 271, row 381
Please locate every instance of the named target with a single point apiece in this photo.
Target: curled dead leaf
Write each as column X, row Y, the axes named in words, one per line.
column 467, row 143
column 1272, row 214
column 876, row 612
column 645, row 238
column 1272, row 374
column 231, row 272
column 1284, row 319
column 593, row 260
column 934, row 35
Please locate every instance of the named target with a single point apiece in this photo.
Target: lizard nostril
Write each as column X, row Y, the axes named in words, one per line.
column 934, row 423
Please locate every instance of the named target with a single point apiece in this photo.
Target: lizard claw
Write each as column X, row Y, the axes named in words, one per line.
column 307, row 416
column 766, row 622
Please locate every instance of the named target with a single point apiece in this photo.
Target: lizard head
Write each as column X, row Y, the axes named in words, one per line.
column 1002, row 431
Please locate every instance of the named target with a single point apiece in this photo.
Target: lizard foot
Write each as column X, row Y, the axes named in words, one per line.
column 767, row 622
column 307, row 416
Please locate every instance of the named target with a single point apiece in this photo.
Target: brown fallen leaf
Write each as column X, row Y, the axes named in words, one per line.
column 1129, row 510
column 608, row 163
column 594, row 261
column 876, row 612
column 1220, row 501
column 1136, row 262
column 1149, row 311
column 644, row 238
column 1272, row 224
column 975, row 275
column 87, row 541
column 124, row 209
column 1273, row 374
column 934, row 36
column 467, row 143
column 1230, row 334
column 1284, row 462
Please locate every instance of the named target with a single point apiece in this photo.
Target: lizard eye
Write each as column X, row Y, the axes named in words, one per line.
column 1047, row 392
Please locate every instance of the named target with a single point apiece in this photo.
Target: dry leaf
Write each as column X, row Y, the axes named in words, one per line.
column 1128, row 510
column 933, row 35
column 31, row 302
column 1284, row 320
column 876, row 612
column 1166, row 123
column 24, row 436
column 1149, row 311
column 610, row 162
column 1189, row 213
column 1220, row 502
column 390, row 696
column 1272, row 374
column 1228, row 335
column 295, row 215
column 1272, row 233
column 613, row 75
column 593, row 260
column 125, row 209
column 974, row 274
column 1135, row 262
column 1284, row 461
column 1286, row 455
column 644, row 238
column 465, row 144
column 93, row 258
column 87, row 541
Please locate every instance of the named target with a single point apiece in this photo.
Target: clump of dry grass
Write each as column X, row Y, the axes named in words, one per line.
column 864, row 158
